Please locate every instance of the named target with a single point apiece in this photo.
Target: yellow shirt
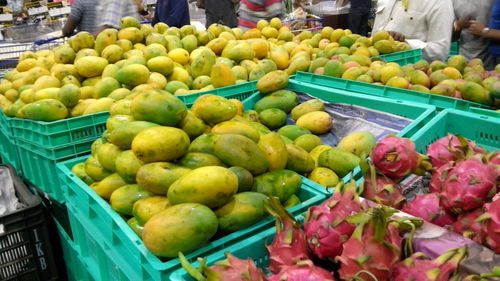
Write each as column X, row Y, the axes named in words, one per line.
column 426, row 24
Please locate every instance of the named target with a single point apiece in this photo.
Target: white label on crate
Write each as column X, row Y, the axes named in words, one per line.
column 6, row 17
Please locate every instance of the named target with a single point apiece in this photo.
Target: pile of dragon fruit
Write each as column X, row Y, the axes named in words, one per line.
column 464, row 185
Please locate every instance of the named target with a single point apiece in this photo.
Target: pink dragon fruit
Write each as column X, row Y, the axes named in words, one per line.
column 289, row 245
column 385, row 191
column 469, row 185
column 396, row 157
column 439, row 176
column 494, row 158
column 449, row 148
column 230, row 269
column 491, row 225
column 326, row 227
column 418, row 267
column 467, row 225
column 427, row 207
column 303, row 271
column 374, row 247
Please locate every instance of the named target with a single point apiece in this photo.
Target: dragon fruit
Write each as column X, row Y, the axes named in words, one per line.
column 289, row 245
column 230, row 269
column 326, row 227
column 439, row 176
column 427, row 207
column 385, row 191
column 467, row 225
column 468, row 185
column 374, row 247
column 494, row 158
column 303, row 271
column 449, row 148
column 491, row 225
column 396, row 157
column 418, row 267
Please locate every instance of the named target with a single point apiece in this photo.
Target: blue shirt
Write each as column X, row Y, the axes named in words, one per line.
column 172, row 12
column 495, row 24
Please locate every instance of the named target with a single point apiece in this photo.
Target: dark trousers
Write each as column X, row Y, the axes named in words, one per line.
column 358, row 21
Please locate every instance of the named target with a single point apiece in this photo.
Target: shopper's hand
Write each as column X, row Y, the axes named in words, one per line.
column 397, row 36
column 464, row 22
column 476, row 28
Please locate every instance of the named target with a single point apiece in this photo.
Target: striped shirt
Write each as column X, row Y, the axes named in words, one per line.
column 251, row 11
column 112, row 11
column 85, row 12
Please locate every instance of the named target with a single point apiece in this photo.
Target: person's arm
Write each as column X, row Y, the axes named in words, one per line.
column 481, row 30
column 439, row 33
column 74, row 18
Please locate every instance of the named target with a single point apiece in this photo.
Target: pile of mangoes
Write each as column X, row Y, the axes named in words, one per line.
column 213, row 166
column 88, row 75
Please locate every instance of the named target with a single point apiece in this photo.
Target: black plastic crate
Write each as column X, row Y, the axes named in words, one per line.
column 25, row 249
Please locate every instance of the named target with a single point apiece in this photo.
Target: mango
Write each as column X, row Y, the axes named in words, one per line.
column 299, row 159
column 217, row 45
column 339, row 161
column 240, row 52
column 214, row 109
column 108, row 185
column 121, row 107
column 245, row 178
column 294, row 200
column 292, row 132
column 47, row 110
column 301, row 63
column 221, row 75
column 307, row 142
column 105, row 86
column 127, row 165
column 204, row 143
column 211, row 186
column 160, row 144
column 274, row 150
column 69, row 95
column 95, row 170
column 80, row 107
column 145, row 208
column 203, row 63
column 281, row 184
column 282, row 99
column 273, row 81
column 119, row 94
column 161, row 64
column 235, row 127
column 112, row 53
column 64, row 54
column 106, row 154
column 307, row 107
column 180, row 228
column 273, row 118
column 90, row 66
column 101, row 105
column 158, row 177
column 318, row 122
column 158, row 107
column 133, row 75
column 195, row 160
column 237, row 150
column 135, row 226
column 240, row 72
column 324, row 177
column 474, row 92
column 122, row 199
column 123, row 135
column 358, row 143
column 81, row 41
column 245, row 209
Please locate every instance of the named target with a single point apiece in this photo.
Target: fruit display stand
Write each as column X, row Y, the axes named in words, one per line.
column 25, row 249
column 349, row 86
column 404, row 57
column 112, row 251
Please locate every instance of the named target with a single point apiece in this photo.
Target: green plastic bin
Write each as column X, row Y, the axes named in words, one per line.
column 355, row 87
column 109, row 245
column 230, row 92
column 484, row 130
column 8, row 148
column 454, row 49
column 487, row 112
column 404, row 57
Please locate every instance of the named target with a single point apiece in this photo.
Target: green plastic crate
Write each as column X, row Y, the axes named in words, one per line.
column 75, row 267
column 39, row 165
column 61, row 132
column 8, row 149
column 251, row 248
column 108, row 244
column 355, row 87
column 487, row 112
column 230, row 92
column 454, row 49
column 403, row 58
column 484, row 130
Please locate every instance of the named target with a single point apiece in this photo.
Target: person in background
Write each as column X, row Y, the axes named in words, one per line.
column 172, row 12
column 359, row 15
column 251, row 11
column 112, row 11
column 472, row 46
column 425, row 24
column 83, row 17
column 491, row 33
column 219, row 11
